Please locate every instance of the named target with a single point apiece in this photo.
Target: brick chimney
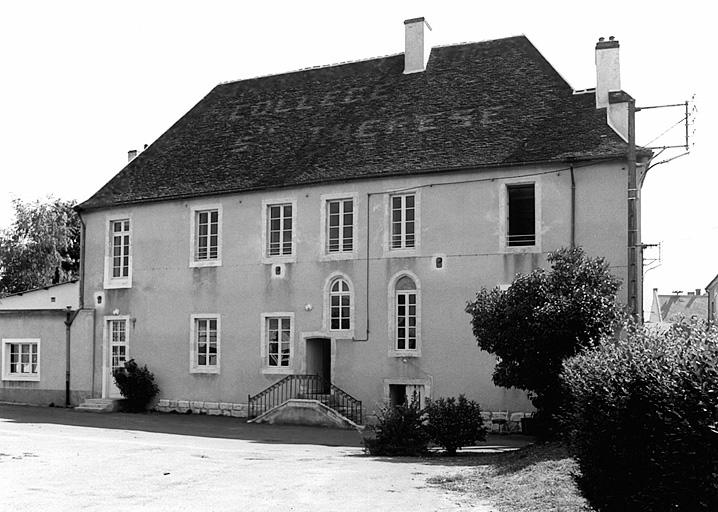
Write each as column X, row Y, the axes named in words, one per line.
column 608, row 86
column 417, row 47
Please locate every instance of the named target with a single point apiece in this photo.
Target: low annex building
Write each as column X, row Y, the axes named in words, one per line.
column 334, row 221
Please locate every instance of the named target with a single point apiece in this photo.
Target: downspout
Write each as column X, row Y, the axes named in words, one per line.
column 70, row 316
column 368, row 211
column 573, row 209
column 83, row 235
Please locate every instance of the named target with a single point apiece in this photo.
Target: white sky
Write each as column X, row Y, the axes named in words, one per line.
column 85, row 81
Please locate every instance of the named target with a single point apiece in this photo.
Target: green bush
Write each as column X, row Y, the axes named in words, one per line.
column 454, row 424
column 541, row 320
column 399, row 431
column 136, row 384
column 642, row 420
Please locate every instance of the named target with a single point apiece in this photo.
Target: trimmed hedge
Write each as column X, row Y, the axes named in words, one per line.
column 642, row 420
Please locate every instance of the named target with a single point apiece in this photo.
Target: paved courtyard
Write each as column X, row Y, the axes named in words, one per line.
column 57, row 459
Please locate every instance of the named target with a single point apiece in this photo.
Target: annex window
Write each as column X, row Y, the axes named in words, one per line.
column 279, row 230
column 339, row 305
column 406, row 315
column 403, row 221
column 205, row 340
column 340, row 226
column 206, row 236
column 521, row 215
column 21, row 359
column 278, row 339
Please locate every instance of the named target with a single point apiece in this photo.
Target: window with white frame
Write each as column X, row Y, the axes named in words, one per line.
column 339, row 305
column 206, row 237
column 120, row 240
column 119, row 344
column 279, row 230
column 403, row 221
column 521, row 215
column 278, row 340
column 21, row 359
column 340, row 225
column 205, row 343
column 406, row 315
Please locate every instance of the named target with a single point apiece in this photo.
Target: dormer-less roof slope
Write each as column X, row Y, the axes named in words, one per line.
column 491, row 103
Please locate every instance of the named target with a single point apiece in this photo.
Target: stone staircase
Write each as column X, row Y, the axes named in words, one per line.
column 98, row 405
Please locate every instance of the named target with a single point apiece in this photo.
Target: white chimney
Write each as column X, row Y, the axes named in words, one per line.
column 608, row 86
column 417, row 47
column 131, row 154
column 608, row 70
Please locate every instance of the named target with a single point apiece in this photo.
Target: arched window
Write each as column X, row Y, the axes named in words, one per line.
column 406, row 314
column 339, row 305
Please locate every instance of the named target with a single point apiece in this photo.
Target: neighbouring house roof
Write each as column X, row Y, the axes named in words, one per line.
column 55, row 296
column 672, row 307
column 712, row 283
column 491, row 103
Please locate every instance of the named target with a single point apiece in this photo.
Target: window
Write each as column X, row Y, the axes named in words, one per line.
column 277, row 342
column 118, row 257
column 339, row 306
column 521, row 218
column 400, row 390
column 403, row 221
column 340, row 226
column 406, row 315
column 206, row 236
column 279, row 230
column 204, row 343
column 279, row 331
column 21, row 359
column 118, row 343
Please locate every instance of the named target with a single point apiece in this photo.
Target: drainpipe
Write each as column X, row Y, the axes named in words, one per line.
column 368, row 218
column 632, row 199
column 573, row 209
column 70, row 316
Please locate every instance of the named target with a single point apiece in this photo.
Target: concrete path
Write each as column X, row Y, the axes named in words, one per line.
column 56, row 459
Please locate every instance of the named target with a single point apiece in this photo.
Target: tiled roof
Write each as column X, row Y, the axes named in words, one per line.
column 675, row 306
column 481, row 104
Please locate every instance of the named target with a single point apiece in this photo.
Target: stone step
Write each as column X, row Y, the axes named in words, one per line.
column 98, row 405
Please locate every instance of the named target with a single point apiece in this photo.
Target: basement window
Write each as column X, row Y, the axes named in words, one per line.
column 521, row 216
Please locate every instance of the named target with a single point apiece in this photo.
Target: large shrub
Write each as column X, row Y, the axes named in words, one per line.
column 642, row 420
column 136, row 384
column 452, row 423
column 542, row 319
column 399, row 431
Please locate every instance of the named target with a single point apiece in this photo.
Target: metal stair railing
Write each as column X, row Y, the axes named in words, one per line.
column 312, row 387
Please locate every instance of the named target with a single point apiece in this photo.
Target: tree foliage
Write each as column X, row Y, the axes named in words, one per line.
column 453, row 424
column 41, row 247
column 542, row 319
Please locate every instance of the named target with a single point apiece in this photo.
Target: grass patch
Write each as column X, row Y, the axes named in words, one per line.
column 537, row 478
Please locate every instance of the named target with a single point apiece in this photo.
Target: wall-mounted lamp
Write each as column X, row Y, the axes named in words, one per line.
column 308, row 307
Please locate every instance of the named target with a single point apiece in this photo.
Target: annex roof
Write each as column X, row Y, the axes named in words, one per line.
column 485, row 104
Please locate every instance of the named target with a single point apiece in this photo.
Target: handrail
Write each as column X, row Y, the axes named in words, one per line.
column 312, row 387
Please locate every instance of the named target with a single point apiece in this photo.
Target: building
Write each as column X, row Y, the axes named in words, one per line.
column 678, row 305
column 336, row 220
column 46, row 346
column 712, row 293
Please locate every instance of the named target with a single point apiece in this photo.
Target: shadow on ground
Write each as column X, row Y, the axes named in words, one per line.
column 183, row 424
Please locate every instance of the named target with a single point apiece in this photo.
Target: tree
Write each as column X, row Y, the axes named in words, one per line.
column 41, row 247
column 544, row 318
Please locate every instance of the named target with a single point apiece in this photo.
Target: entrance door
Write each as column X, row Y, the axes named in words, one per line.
column 319, row 359
column 119, row 350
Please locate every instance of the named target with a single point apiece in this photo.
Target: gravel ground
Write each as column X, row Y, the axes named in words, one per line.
column 56, row 459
